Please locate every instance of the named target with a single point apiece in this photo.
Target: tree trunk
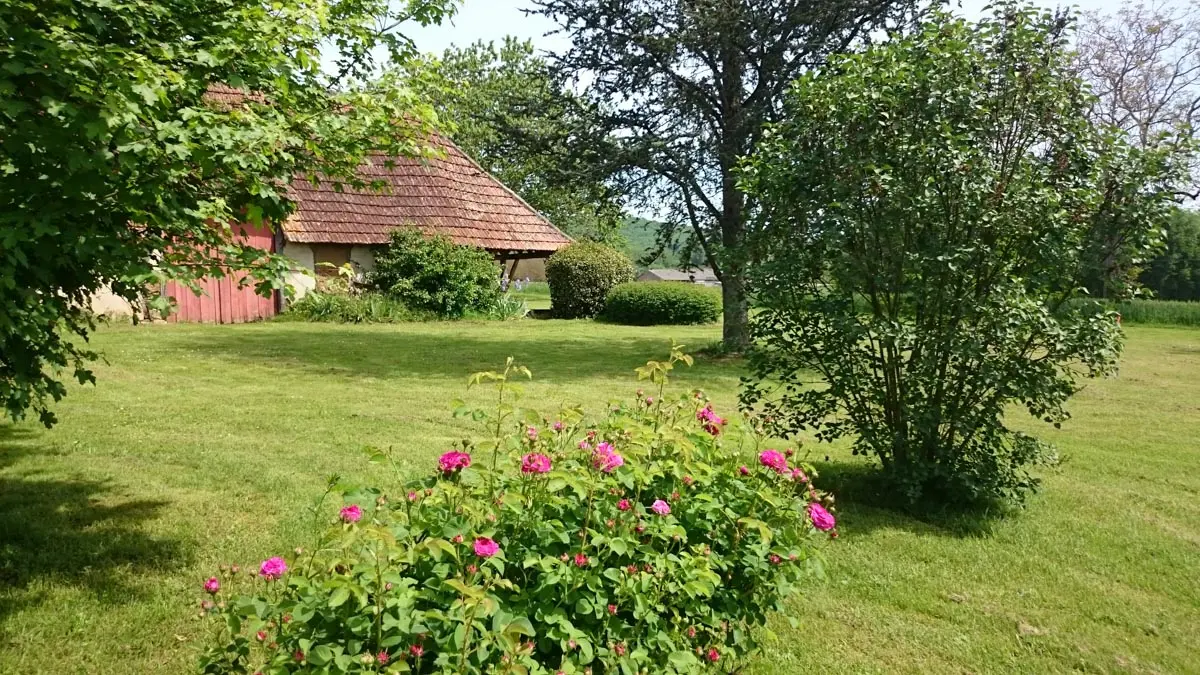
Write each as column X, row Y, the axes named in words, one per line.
column 735, row 334
column 736, row 330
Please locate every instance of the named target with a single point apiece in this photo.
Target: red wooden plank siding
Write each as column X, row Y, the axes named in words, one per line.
column 222, row 301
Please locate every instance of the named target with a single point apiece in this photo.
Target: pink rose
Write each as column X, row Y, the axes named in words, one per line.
column 416, row 650
column 605, row 459
column 799, row 475
column 744, row 470
column 486, row 548
column 535, row 463
column 660, row 507
column 773, row 459
column 624, row 505
column 581, row 560
column 272, row 568
column 453, row 462
column 383, row 658
column 709, row 420
column 351, row 514
column 688, row 480
column 713, row 655
column 821, row 519
column 558, row 425
column 532, row 433
column 212, row 585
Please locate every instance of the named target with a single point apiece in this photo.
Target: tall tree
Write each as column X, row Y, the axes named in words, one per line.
column 120, row 164
column 517, row 117
column 689, row 84
column 1143, row 65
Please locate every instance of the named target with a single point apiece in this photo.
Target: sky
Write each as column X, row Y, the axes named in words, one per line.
column 492, row 20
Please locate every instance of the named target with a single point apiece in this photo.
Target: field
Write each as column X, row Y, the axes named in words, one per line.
column 207, row 444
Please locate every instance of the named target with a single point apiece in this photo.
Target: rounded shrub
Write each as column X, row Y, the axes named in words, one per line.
column 643, row 541
column 580, row 277
column 651, row 303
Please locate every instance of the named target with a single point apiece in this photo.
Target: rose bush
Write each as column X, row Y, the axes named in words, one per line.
column 641, row 543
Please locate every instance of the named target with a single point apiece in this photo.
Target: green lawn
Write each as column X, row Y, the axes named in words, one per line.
column 205, row 444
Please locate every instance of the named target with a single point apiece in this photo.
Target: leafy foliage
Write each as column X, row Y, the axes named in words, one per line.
column 950, row 180
column 1174, row 274
column 685, row 87
column 662, row 303
column 521, row 121
column 633, row 544
column 580, row 277
column 118, row 168
column 434, row 274
column 346, row 308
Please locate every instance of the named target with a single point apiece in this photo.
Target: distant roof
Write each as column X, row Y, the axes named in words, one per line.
column 700, row 275
column 448, row 194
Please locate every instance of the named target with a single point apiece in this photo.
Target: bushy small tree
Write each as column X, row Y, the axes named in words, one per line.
column 927, row 208
column 434, row 274
column 580, row 277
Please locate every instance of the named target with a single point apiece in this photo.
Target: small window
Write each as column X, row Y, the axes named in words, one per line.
column 334, row 254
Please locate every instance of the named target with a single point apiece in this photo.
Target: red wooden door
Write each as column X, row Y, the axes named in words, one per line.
column 222, row 301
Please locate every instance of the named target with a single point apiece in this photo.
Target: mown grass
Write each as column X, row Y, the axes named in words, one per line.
column 206, row 444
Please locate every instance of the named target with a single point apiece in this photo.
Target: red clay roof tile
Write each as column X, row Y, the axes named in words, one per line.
column 449, row 194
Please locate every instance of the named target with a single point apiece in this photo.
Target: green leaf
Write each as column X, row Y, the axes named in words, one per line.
column 339, row 596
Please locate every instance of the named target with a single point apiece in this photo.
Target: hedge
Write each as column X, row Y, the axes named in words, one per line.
column 662, row 303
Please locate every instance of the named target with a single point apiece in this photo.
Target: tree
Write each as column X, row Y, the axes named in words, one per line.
column 1143, row 66
column 686, row 86
column 135, row 133
column 515, row 116
column 1174, row 274
column 927, row 205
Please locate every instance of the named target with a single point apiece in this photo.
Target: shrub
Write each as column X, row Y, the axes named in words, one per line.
column 662, row 303
column 338, row 308
column 929, row 199
column 435, row 274
column 640, row 543
column 580, row 277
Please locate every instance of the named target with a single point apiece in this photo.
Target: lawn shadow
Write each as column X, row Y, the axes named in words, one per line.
column 588, row 352
column 867, row 501
column 73, row 532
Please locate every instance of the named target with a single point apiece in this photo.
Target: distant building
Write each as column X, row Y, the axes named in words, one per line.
column 449, row 194
column 701, row 275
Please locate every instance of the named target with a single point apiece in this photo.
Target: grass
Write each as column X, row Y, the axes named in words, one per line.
column 1163, row 312
column 205, row 444
column 536, row 295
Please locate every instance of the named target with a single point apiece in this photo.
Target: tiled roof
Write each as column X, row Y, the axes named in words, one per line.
column 450, row 195
column 447, row 194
